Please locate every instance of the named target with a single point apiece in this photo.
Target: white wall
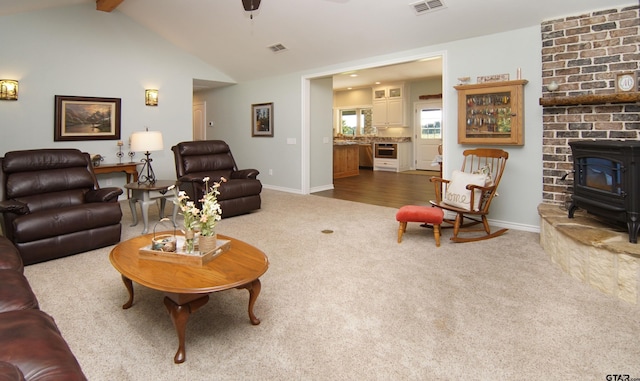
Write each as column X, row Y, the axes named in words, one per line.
column 521, row 187
column 353, row 98
column 321, row 135
column 79, row 51
column 230, row 110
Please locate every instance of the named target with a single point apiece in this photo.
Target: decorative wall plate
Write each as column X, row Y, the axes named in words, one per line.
column 627, row 82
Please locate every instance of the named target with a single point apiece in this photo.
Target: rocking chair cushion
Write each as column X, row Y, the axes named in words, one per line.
column 419, row 213
column 457, row 193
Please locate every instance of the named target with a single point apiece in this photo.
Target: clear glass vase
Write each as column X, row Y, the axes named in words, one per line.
column 189, row 237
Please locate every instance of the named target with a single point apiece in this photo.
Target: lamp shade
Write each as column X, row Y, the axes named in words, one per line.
column 146, row 141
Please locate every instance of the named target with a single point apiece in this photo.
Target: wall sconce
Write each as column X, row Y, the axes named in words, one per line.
column 151, row 97
column 553, row 86
column 8, row 90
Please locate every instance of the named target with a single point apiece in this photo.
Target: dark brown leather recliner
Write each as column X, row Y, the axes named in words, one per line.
column 212, row 158
column 52, row 205
column 31, row 345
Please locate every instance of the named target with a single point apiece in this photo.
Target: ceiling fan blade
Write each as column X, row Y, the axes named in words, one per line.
column 251, row 5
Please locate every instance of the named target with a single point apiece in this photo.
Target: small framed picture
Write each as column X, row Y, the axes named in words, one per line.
column 262, row 119
column 86, row 118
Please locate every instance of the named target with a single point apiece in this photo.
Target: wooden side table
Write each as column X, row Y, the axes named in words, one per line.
column 130, row 170
column 142, row 193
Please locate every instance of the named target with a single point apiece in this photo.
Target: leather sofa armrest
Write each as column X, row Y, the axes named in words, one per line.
column 10, row 372
column 13, row 206
column 245, row 174
column 103, row 195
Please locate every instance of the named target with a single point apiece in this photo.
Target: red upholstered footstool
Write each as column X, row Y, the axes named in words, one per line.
column 422, row 214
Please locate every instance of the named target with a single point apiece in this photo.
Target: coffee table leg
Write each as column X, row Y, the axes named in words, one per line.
column 179, row 315
column 129, row 285
column 254, row 290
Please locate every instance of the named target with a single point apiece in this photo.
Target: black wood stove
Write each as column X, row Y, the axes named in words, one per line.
column 607, row 181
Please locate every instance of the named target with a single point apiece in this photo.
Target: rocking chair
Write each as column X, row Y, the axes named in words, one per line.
column 470, row 191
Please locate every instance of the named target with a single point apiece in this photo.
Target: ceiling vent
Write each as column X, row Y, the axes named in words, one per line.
column 277, row 48
column 422, row 7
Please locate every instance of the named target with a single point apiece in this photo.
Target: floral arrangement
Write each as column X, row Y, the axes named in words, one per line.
column 204, row 219
column 211, row 212
column 188, row 210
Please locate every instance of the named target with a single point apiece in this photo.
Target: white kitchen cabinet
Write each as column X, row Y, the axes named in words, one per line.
column 404, row 156
column 399, row 164
column 389, row 106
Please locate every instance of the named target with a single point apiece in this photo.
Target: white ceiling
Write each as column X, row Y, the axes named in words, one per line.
column 320, row 33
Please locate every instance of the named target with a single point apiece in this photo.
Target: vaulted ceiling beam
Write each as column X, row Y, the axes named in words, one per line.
column 107, row 5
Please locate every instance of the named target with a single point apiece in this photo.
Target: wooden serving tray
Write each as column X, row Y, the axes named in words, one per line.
column 180, row 257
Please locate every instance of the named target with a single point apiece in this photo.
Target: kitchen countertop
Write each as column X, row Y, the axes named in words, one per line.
column 366, row 140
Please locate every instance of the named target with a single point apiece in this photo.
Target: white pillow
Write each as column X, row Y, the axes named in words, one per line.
column 457, row 193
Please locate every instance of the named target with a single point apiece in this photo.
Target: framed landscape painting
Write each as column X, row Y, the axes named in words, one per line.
column 262, row 119
column 86, row 118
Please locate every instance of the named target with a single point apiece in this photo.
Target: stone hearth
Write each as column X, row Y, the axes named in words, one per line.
column 591, row 251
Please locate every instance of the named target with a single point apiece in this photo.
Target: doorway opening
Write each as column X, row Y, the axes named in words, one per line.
column 199, row 121
column 434, row 84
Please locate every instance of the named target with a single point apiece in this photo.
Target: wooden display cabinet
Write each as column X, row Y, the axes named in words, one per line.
column 491, row 113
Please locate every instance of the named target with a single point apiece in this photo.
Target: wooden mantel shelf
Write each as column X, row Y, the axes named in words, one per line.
column 591, row 99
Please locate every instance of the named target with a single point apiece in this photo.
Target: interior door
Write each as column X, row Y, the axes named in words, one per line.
column 199, row 117
column 427, row 134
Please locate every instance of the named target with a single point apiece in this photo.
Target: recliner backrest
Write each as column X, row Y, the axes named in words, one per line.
column 47, row 178
column 204, row 156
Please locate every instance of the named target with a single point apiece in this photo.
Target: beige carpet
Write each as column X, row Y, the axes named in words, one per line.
column 351, row 305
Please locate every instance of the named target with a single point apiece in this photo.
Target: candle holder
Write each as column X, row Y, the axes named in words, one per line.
column 119, row 154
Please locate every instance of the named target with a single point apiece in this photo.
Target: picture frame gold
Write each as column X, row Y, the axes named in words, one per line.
column 86, row 118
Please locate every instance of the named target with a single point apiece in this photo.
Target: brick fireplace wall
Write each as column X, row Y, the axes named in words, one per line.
column 583, row 54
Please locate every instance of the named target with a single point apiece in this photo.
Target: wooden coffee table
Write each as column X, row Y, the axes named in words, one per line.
column 187, row 287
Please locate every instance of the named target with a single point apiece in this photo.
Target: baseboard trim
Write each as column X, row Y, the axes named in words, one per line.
column 282, row 189
column 515, row 226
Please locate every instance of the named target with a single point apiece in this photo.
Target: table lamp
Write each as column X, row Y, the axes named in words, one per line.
column 146, row 141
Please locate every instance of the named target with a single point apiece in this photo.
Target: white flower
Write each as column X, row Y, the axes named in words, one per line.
column 204, row 219
column 211, row 212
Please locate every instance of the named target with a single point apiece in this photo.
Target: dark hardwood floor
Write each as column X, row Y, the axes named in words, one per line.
column 383, row 188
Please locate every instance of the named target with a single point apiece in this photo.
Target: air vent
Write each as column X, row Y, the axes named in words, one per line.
column 277, row 48
column 422, row 7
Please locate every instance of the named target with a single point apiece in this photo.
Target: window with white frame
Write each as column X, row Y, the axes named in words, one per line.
column 355, row 121
column 430, row 123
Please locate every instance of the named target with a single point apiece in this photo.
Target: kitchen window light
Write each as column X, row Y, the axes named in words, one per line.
column 355, row 122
